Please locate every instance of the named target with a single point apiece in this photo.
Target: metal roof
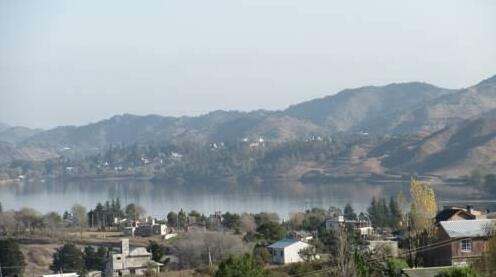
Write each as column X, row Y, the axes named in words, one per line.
column 284, row 243
column 468, row 228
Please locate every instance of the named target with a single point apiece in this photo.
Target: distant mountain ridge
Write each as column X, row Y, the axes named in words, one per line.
column 372, row 109
column 406, row 108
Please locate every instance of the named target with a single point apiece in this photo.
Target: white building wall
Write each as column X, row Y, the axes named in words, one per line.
column 292, row 252
column 289, row 254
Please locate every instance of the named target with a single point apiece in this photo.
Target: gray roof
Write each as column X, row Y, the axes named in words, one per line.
column 468, row 228
column 283, row 243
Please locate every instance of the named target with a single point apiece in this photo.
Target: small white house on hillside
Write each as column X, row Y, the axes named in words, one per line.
column 287, row 251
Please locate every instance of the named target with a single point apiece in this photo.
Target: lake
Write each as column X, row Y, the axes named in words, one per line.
column 158, row 199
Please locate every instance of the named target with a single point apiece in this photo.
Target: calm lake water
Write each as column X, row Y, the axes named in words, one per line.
column 159, row 199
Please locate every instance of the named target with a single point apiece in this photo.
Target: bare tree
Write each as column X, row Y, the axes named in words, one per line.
column 79, row 217
column 248, row 223
column 8, row 223
column 197, row 249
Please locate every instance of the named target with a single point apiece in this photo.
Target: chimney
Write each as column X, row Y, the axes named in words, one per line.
column 125, row 247
column 469, row 209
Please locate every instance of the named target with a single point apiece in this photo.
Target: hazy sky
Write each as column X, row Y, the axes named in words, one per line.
column 74, row 62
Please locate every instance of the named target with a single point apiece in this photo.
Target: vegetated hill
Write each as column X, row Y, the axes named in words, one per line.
column 15, row 135
column 455, row 150
column 451, row 108
column 406, row 108
column 9, row 153
column 372, row 109
column 213, row 127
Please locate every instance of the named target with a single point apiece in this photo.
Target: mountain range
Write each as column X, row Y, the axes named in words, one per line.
column 453, row 129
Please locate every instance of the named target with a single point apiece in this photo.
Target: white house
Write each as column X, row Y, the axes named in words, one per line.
column 287, row 251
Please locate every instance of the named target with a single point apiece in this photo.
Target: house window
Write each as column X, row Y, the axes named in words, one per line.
column 466, row 245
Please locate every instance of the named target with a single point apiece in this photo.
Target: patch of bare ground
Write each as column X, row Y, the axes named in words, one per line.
column 38, row 258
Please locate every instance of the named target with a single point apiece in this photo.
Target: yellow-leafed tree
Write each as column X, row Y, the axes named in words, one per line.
column 424, row 205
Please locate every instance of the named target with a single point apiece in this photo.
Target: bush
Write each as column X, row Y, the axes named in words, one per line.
column 459, row 272
column 243, row 266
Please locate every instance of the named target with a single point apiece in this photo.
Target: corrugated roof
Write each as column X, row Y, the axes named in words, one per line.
column 467, row 228
column 283, row 243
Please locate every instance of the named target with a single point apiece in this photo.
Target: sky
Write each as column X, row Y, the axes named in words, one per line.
column 79, row 61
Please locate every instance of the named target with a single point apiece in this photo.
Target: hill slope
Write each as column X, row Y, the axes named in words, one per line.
column 216, row 126
column 454, row 150
column 371, row 109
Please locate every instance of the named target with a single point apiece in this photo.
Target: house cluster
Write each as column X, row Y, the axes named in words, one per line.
column 260, row 142
column 371, row 240
column 463, row 234
column 148, row 228
column 290, row 250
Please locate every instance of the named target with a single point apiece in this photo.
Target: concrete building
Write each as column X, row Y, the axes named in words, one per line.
column 146, row 230
column 362, row 226
column 287, row 251
column 382, row 246
column 303, row 236
column 130, row 261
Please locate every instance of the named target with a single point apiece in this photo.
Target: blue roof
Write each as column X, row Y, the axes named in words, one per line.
column 468, row 228
column 283, row 243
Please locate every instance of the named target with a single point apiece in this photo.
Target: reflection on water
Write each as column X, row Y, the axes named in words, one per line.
column 159, row 199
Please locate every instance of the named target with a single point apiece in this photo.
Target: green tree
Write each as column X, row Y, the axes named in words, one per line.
column 182, row 218
column 271, row 231
column 11, row 258
column 394, row 267
column 156, row 250
column 231, row 221
column 264, row 217
column 94, row 260
column 172, row 219
column 244, row 266
column 349, row 212
column 68, row 258
column 194, row 213
column 134, row 212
